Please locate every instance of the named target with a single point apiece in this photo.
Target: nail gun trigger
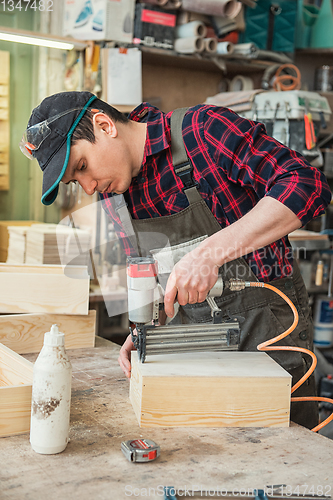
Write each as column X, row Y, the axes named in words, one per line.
column 239, row 319
column 232, row 317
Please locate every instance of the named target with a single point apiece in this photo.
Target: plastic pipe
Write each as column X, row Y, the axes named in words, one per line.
column 241, row 82
column 225, row 48
column 210, row 45
column 194, row 28
column 224, row 8
column 189, row 45
column 155, row 2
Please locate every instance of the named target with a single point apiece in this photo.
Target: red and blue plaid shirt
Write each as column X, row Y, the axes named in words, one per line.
column 235, row 165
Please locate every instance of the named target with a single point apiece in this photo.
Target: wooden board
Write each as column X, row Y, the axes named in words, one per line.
column 4, row 169
column 304, row 234
column 15, row 392
column 4, row 182
column 44, row 289
column 24, row 333
column 210, row 389
column 4, row 235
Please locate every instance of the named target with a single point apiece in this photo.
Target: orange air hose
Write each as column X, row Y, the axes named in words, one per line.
column 279, row 80
column 267, row 346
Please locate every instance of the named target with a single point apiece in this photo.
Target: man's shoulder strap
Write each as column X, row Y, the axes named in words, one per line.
column 181, row 162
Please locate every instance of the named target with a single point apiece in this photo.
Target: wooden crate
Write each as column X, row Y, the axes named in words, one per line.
column 44, row 288
column 24, row 333
column 215, row 389
column 15, row 392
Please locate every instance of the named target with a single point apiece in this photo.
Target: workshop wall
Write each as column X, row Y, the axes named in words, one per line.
column 14, row 203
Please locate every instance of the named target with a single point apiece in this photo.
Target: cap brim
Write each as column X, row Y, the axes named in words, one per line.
column 51, row 179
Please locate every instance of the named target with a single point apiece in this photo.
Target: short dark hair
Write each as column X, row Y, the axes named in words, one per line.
column 85, row 127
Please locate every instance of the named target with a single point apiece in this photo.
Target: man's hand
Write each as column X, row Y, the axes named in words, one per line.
column 125, row 356
column 191, row 278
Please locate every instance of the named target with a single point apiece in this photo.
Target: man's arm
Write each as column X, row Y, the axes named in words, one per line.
column 196, row 273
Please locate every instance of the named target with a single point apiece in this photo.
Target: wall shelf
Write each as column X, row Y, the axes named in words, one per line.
column 163, row 57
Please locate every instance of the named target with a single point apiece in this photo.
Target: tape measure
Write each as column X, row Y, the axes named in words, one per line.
column 140, row 450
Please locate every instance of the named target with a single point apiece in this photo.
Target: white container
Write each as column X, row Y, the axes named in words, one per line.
column 51, row 396
column 323, row 321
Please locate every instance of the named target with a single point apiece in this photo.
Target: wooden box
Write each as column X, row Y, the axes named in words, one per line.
column 24, row 333
column 50, row 289
column 15, row 392
column 210, row 389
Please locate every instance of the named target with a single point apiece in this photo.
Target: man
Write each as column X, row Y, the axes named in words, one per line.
column 233, row 210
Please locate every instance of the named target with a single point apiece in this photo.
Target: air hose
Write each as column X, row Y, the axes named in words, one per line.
column 267, row 346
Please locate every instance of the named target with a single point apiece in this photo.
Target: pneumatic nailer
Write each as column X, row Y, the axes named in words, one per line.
column 144, row 297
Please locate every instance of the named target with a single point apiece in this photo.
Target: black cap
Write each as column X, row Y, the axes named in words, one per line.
column 53, row 153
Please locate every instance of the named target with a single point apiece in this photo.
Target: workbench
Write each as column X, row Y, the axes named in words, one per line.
column 93, row 466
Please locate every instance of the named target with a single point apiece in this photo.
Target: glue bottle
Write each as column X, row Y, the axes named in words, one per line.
column 51, row 396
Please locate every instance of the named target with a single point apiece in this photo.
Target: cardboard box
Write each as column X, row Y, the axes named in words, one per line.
column 154, row 27
column 99, row 19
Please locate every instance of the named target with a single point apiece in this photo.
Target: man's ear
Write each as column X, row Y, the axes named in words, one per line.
column 103, row 123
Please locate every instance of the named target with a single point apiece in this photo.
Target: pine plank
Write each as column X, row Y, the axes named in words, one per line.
column 5, row 65
column 78, row 271
column 3, row 101
column 4, row 169
column 15, row 392
column 4, row 182
column 4, row 114
column 15, row 409
column 4, row 90
column 44, row 289
column 24, row 333
column 15, row 370
column 3, row 157
column 4, row 234
column 217, row 389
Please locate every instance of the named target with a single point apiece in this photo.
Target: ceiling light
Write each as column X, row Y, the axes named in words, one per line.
column 40, row 39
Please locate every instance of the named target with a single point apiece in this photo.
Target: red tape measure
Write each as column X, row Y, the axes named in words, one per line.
column 140, row 450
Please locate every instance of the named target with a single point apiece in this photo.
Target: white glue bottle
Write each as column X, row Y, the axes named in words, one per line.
column 51, row 396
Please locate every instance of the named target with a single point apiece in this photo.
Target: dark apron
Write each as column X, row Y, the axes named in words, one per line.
column 262, row 314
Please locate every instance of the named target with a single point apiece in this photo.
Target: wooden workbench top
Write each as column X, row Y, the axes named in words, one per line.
column 93, row 466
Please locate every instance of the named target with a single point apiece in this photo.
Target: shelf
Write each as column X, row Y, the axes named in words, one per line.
column 310, row 51
column 322, row 290
column 215, row 62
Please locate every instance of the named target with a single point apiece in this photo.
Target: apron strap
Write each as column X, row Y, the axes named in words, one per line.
column 126, row 220
column 193, row 195
column 181, row 162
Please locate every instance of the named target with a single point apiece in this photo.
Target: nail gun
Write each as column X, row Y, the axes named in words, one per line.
column 144, row 297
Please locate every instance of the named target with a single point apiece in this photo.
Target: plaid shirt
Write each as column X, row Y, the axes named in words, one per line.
column 235, row 165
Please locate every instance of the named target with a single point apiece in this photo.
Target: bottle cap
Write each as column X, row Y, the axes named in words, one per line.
column 54, row 338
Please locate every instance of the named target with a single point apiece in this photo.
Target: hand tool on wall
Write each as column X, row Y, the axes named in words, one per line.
column 310, row 137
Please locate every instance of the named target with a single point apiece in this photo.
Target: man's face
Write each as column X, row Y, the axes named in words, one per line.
column 103, row 166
